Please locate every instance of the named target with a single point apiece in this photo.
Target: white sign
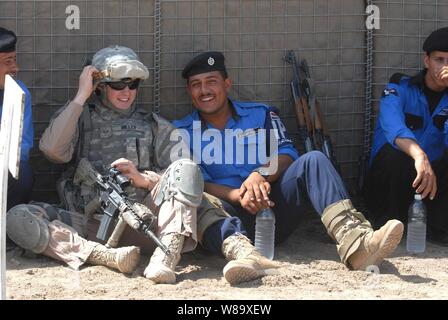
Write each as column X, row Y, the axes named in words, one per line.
column 12, row 122
column 10, row 141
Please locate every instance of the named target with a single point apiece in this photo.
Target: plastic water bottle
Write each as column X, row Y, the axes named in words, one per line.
column 265, row 233
column 416, row 237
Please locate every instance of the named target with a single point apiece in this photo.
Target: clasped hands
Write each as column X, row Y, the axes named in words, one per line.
column 254, row 193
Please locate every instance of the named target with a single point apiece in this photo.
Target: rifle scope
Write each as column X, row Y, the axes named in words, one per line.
column 122, row 180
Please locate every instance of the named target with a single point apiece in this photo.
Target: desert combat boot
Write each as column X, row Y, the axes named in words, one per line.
column 246, row 263
column 124, row 259
column 161, row 266
column 358, row 245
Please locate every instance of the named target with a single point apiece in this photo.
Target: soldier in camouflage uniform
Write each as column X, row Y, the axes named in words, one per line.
column 112, row 127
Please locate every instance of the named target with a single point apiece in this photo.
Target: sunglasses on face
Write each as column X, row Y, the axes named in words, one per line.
column 120, row 85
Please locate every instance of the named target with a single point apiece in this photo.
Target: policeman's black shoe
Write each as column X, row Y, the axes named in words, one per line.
column 438, row 237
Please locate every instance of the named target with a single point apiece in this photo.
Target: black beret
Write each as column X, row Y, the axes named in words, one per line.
column 204, row 62
column 437, row 41
column 8, row 40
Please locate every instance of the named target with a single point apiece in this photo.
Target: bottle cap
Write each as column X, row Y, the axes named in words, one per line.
column 418, row 196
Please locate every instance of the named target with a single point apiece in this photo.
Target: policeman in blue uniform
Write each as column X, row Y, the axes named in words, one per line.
column 410, row 141
column 18, row 190
column 226, row 137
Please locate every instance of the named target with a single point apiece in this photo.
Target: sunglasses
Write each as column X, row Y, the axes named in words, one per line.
column 120, row 85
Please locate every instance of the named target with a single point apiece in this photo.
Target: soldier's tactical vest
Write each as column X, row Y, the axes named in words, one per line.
column 106, row 136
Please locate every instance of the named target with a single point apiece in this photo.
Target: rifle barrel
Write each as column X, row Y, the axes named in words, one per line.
column 159, row 243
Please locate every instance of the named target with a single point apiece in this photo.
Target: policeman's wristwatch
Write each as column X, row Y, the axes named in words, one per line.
column 263, row 171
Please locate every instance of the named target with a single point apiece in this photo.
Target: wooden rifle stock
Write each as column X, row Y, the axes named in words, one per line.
column 320, row 132
column 306, row 114
column 298, row 109
column 304, row 126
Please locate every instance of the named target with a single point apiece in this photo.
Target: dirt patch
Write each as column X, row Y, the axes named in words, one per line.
column 311, row 270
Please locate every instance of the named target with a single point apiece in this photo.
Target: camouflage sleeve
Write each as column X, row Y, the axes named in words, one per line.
column 59, row 139
column 162, row 144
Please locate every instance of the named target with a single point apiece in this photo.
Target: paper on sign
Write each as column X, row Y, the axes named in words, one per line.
column 12, row 122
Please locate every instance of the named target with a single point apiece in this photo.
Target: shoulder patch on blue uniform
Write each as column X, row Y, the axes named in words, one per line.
column 389, row 91
column 396, row 77
column 278, row 126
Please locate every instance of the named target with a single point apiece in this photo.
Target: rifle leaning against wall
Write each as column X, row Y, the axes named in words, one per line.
column 321, row 136
column 301, row 108
column 114, row 204
column 312, row 130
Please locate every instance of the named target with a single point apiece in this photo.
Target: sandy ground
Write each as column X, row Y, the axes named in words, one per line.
column 311, row 270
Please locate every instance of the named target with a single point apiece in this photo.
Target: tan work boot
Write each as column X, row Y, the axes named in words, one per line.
column 246, row 262
column 358, row 245
column 123, row 259
column 161, row 266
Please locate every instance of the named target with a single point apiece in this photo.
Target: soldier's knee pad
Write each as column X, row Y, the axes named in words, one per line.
column 182, row 181
column 27, row 228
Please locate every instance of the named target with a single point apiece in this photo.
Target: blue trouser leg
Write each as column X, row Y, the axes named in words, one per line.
column 311, row 176
column 314, row 175
column 19, row 191
column 215, row 235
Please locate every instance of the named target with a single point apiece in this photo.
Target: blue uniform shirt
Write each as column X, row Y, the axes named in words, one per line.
column 404, row 113
column 28, row 129
column 229, row 161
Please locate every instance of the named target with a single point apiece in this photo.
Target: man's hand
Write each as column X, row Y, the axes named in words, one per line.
column 232, row 196
column 443, row 75
column 426, row 180
column 254, row 206
column 254, row 193
column 86, row 86
column 138, row 180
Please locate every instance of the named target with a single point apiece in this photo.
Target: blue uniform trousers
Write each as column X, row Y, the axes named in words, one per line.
column 19, row 191
column 311, row 176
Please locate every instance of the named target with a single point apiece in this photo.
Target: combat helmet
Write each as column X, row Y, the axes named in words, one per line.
column 117, row 62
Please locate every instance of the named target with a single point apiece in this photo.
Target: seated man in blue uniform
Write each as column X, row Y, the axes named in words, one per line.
column 409, row 148
column 245, row 187
column 18, row 190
